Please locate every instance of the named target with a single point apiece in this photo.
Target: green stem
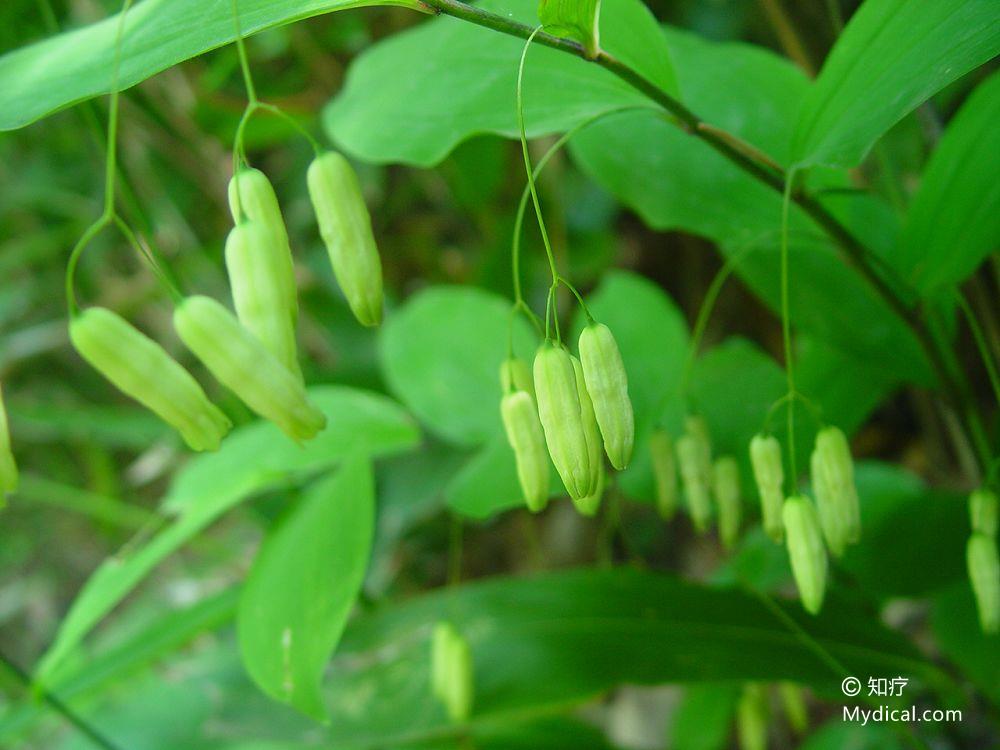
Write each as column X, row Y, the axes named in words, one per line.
column 981, row 345
column 74, row 258
column 244, row 62
column 47, row 697
column 527, row 161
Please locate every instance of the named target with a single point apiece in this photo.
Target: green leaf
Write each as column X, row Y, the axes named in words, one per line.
column 961, row 638
column 251, row 459
column 838, row 734
column 488, row 484
column 401, row 104
column 68, row 68
column 572, row 19
column 303, row 586
column 893, row 55
column 441, row 354
column 954, row 220
column 703, row 719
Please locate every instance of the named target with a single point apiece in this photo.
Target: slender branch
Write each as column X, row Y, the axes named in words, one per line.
column 861, row 257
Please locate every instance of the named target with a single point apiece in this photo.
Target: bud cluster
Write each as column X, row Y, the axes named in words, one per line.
column 571, row 410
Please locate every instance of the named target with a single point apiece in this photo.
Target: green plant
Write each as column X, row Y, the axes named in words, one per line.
column 842, row 219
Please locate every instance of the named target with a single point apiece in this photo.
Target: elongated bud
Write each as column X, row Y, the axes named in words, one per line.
column 559, row 411
column 726, row 485
column 752, row 717
column 806, row 550
column 832, row 518
column 983, row 512
column 661, row 449
column 794, row 703
column 833, row 470
column 261, row 303
column 239, row 361
column 588, row 506
column 346, row 228
column 607, row 384
column 515, row 375
column 765, row 458
column 694, row 457
column 524, row 433
column 452, row 680
column 8, row 469
column 142, row 369
column 590, row 431
column 984, row 573
column 251, row 191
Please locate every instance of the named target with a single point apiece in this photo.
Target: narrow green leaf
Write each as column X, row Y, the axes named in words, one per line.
column 303, row 586
column 703, row 720
column 954, row 220
column 74, row 66
column 441, row 354
column 251, row 459
column 893, row 55
column 467, row 86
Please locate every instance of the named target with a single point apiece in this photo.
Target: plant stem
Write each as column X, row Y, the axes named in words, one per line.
column 786, row 332
column 58, row 706
column 860, row 257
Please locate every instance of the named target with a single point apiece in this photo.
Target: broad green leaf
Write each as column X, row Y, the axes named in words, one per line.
column 54, row 73
column 116, row 427
column 958, row 633
column 252, row 459
column 703, row 720
column 303, row 585
column 572, row 19
column 954, row 220
column 838, row 734
column 441, row 354
column 893, row 55
column 401, row 104
column 903, row 524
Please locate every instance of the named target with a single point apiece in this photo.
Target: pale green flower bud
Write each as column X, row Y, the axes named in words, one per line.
column 806, row 550
column 607, row 384
column 452, row 679
column 590, row 431
column 752, row 718
column 765, row 458
column 984, row 573
column 8, row 469
column 257, row 199
column 833, row 470
column 694, row 457
column 983, row 511
column 260, row 301
column 832, row 518
column 346, row 228
column 524, row 433
column 241, row 363
column 142, row 369
column 661, row 449
column 560, row 413
column 728, row 499
column 794, row 703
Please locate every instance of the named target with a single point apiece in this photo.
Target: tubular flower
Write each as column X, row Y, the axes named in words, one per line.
column 8, row 469
column 726, row 486
column 833, row 475
column 765, row 458
column 452, row 679
column 806, row 550
column 346, row 228
column 607, row 384
column 251, row 191
column 560, row 413
column 524, row 433
column 241, row 363
column 261, row 303
column 142, row 369
column 661, row 449
column 984, row 573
